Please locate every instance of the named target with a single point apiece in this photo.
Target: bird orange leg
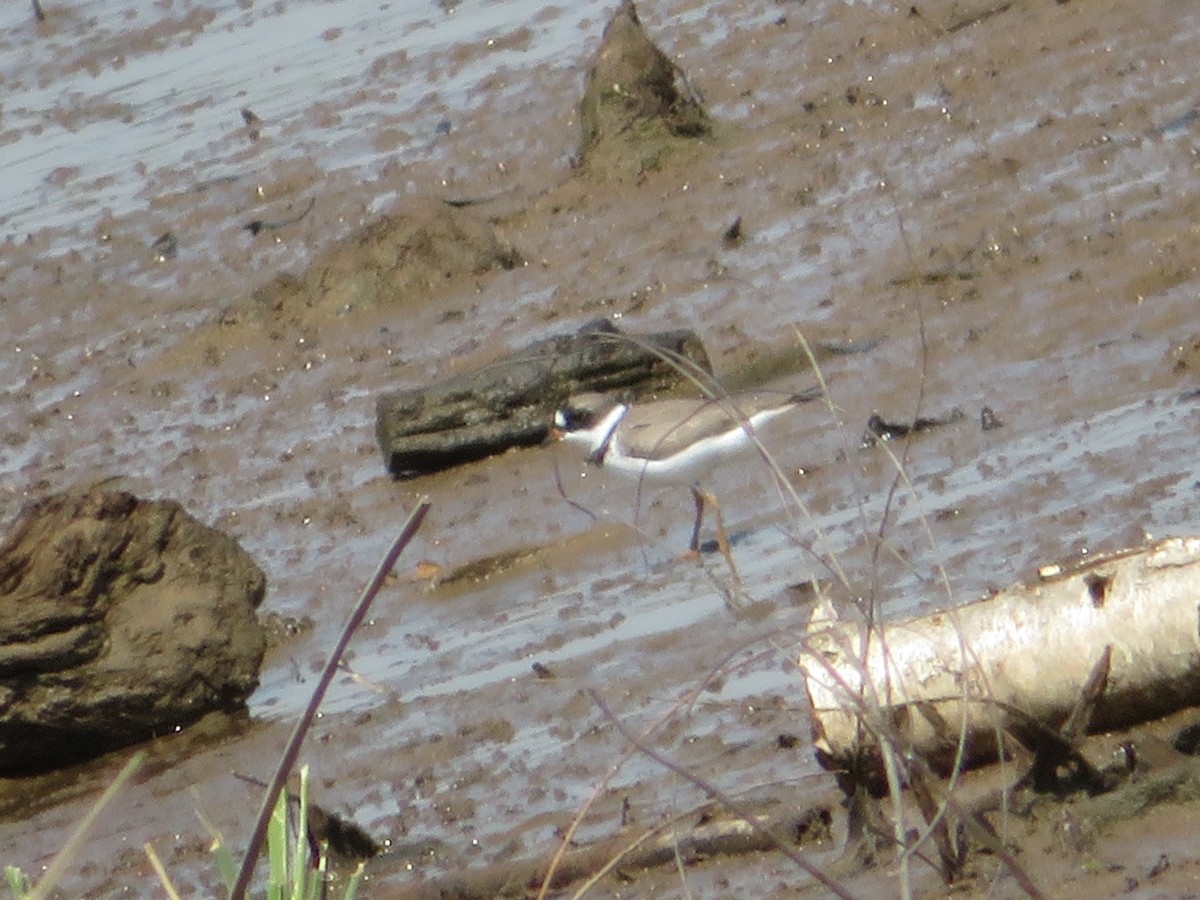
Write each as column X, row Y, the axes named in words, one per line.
column 703, row 497
column 722, row 538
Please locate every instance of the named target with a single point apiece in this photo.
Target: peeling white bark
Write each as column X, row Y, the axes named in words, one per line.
column 995, row 665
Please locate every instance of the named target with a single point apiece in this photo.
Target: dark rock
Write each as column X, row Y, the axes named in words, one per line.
column 511, row 402
column 637, row 103
column 120, row 619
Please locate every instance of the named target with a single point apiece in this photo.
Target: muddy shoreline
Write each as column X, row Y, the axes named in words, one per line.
column 999, row 199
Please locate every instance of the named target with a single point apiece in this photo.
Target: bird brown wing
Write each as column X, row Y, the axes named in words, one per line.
column 662, row 429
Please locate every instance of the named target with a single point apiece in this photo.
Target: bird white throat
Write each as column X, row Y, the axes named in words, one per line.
column 671, row 441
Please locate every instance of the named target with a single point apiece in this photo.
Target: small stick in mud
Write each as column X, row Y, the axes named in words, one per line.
column 878, row 429
column 258, row 225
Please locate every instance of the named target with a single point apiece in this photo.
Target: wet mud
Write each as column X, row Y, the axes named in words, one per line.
column 993, row 205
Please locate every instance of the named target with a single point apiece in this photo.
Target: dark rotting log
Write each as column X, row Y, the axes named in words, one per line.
column 511, row 402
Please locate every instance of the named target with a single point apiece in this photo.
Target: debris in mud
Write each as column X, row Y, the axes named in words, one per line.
column 344, row 838
column 257, row 226
column 934, row 276
column 165, row 247
column 637, row 105
column 253, row 123
column 511, row 402
column 879, row 430
column 734, row 233
column 280, row 629
column 970, row 15
column 1025, row 676
column 480, row 570
column 120, row 619
column 703, row 833
column 1185, row 356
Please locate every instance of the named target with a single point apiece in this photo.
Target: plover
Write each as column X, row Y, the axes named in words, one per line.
column 672, row 442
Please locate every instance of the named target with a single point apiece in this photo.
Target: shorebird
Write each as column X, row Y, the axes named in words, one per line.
column 672, row 442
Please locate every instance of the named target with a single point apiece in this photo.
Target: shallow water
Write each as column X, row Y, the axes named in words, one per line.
column 160, row 90
column 1008, row 245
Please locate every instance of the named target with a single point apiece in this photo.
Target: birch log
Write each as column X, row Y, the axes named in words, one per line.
column 1012, row 663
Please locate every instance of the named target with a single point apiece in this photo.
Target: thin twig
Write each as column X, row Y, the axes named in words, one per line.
column 160, row 870
column 238, row 892
column 721, row 797
column 597, row 792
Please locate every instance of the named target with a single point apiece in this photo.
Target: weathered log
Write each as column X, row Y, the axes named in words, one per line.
column 511, row 402
column 120, row 619
column 955, row 685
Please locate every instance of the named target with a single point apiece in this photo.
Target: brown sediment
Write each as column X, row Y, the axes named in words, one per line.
column 990, row 205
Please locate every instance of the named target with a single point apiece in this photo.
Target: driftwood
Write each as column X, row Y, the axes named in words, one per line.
column 954, row 686
column 120, row 619
column 511, row 403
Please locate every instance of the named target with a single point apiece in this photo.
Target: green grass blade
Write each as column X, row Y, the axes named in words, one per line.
column 226, row 864
column 300, row 872
column 220, row 851
column 277, row 851
column 18, row 881
column 351, row 891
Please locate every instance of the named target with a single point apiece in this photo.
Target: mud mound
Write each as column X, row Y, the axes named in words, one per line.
column 638, row 105
column 402, row 257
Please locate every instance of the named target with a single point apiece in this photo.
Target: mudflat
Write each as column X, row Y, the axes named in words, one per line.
column 994, row 204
